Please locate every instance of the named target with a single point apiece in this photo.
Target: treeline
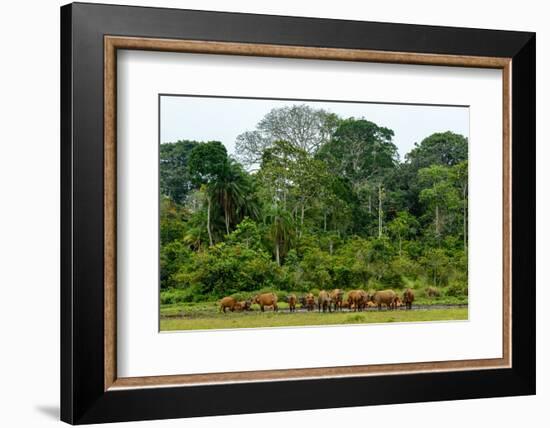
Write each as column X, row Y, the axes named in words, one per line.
column 312, row 200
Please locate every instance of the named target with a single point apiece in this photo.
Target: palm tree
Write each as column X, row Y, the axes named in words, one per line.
column 229, row 189
column 225, row 185
column 280, row 228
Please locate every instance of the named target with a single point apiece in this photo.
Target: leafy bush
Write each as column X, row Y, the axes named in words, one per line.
column 457, row 289
column 174, row 296
column 172, row 256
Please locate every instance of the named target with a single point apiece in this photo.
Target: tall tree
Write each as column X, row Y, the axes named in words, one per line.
column 381, row 196
column 280, row 227
column 460, row 172
column 439, row 194
column 229, row 189
column 441, row 148
column 207, row 162
column 359, row 150
column 301, row 126
column 175, row 180
column 297, row 180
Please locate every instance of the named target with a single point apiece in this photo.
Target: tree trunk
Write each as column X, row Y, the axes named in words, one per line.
column 227, row 222
column 330, row 247
column 379, row 210
column 325, row 222
column 437, row 231
column 302, row 220
column 208, row 221
column 277, row 256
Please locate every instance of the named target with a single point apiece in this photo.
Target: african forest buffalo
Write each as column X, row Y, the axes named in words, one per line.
column 337, row 296
column 397, row 303
column 385, row 297
column 243, row 305
column 291, row 302
column 310, row 301
column 227, row 303
column 266, row 299
column 324, row 301
column 358, row 299
column 408, row 298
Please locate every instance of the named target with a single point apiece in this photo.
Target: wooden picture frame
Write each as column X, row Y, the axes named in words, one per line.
column 91, row 390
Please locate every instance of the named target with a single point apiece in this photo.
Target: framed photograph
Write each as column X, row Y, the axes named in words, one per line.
column 266, row 213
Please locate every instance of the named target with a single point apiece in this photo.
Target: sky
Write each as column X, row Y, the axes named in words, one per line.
column 223, row 119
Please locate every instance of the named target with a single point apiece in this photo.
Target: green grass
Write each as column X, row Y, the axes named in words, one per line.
column 204, row 318
column 441, row 300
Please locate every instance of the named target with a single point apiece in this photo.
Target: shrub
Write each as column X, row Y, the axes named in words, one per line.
column 375, row 285
column 457, row 289
column 173, row 296
column 392, row 280
column 172, row 256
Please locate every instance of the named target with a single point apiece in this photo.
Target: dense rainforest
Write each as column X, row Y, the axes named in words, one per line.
column 310, row 200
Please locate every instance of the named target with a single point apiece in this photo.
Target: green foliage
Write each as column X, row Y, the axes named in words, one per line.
column 442, row 148
column 246, row 234
column 359, row 149
column 226, row 269
column 172, row 221
column 173, row 255
column 327, row 204
column 176, row 296
column 440, row 195
column 457, row 289
column 175, row 180
column 207, row 162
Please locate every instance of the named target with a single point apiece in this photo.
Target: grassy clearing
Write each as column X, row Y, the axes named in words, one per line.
column 202, row 320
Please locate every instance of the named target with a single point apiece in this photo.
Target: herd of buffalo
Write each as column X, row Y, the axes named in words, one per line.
column 357, row 300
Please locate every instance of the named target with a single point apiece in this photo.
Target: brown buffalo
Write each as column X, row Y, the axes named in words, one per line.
column 345, row 304
column 243, row 305
column 337, row 297
column 310, row 301
column 266, row 299
column 385, row 297
column 397, row 303
column 357, row 299
column 324, row 301
column 371, row 304
column 227, row 303
column 408, row 298
column 291, row 298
